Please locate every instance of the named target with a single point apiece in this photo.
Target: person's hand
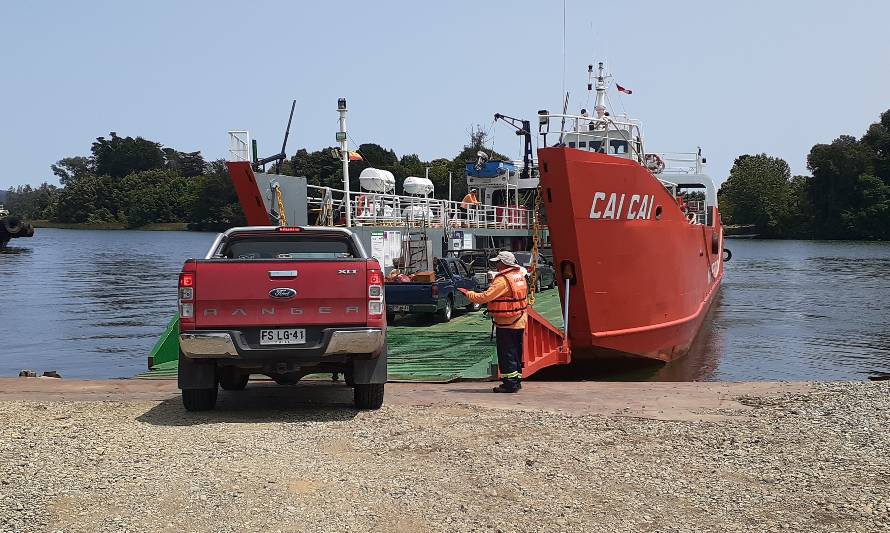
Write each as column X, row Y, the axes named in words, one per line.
column 463, row 290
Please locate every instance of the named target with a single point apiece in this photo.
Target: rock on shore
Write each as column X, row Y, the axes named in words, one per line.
column 815, row 461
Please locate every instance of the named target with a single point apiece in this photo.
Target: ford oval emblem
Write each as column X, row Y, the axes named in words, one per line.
column 283, row 293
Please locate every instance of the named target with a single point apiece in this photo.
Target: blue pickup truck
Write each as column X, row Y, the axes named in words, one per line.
column 440, row 298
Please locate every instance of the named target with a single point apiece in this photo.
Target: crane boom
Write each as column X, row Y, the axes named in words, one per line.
column 523, row 129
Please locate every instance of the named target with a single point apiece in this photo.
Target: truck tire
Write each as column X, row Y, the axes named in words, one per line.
column 368, row 396
column 445, row 313
column 199, row 399
column 233, row 380
column 473, row 307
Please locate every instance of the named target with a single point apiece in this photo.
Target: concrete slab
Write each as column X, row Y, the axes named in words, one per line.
column 663, row 401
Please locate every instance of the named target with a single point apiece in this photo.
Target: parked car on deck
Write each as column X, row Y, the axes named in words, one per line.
column 546, row 272
column 284, row 302
column 439, row 297
column 479, row 265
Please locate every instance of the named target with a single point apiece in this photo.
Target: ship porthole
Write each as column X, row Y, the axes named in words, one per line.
column 658, row 212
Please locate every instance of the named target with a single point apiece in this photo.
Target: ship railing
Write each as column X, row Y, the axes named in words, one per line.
column 239, row 146
column 682, row 162
column 670, row 186
column 699, row 209
column 605, row 129
column 385, row 209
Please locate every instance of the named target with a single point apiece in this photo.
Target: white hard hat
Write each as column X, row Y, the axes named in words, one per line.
column 504, row 257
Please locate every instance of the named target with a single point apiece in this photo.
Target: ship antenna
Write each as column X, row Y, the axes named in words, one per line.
column 600, row 106
column 563, row 46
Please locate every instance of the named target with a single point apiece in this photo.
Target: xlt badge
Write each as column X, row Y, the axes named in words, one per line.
column 347, row 272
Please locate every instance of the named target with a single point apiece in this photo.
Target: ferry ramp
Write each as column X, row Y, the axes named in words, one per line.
column 422, row 350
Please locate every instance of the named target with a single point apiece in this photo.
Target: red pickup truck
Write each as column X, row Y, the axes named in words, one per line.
column 284, row 302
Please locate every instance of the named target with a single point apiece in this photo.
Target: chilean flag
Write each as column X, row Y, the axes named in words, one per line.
column 623, row 90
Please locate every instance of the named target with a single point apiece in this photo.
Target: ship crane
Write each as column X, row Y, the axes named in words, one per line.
column 523, row 129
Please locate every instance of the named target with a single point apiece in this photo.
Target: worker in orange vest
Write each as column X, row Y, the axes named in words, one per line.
column 507, row 299
column 469, row 202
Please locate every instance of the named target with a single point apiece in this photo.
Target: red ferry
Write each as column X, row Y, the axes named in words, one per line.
column 637, row 235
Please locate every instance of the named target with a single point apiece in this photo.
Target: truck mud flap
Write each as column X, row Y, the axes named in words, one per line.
column 196, row 374
column 367, row 371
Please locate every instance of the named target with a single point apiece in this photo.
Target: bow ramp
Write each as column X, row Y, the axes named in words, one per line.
column 544, row 345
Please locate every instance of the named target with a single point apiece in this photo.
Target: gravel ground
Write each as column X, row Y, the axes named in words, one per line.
column 816, row 461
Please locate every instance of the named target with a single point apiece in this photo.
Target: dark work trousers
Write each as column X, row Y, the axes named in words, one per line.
column 509, row 343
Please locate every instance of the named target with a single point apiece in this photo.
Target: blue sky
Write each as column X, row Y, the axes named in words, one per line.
column 741, row 77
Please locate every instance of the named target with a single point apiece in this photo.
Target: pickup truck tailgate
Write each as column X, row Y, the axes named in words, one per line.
column 409, row 293
column 243, row 293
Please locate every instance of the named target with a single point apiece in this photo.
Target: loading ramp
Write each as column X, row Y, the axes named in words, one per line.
column 423, row 351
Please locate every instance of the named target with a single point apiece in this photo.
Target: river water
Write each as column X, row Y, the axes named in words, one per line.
column 90, row 304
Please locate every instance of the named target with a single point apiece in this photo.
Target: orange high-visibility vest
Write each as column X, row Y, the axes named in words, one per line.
column 508, row 309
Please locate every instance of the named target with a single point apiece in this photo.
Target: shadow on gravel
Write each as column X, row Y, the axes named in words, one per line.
column 262, row 402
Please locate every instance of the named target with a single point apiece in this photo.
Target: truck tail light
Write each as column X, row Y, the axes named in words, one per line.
column 187, row 295
column 435, row 291
column 375, row 291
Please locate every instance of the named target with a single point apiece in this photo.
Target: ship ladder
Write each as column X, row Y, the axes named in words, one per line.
column 415, row 251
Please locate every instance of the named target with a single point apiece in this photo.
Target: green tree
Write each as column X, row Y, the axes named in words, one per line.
column 836, row 168
column 159, row 196
column 87, row 195
column 32, row 203
column 800, row 212
column 69, row 169
column 877, row 138
column 186, row 164
column 216, row 207
column 758, row 192
column 320, row 168
column 868, row 217
column 120, row 156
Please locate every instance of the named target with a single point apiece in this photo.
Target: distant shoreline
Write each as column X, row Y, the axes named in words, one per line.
column 157, row 226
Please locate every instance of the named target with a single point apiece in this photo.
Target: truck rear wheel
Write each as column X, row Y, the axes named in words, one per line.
column 367, row 396
column 199, row 399
column 445, row 313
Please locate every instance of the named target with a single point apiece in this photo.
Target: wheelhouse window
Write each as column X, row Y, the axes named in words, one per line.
column 618, row 147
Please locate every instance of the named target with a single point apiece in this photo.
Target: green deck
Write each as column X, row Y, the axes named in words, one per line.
column 419, row 349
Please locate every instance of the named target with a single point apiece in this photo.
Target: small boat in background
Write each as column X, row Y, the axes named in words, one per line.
column 12, row 227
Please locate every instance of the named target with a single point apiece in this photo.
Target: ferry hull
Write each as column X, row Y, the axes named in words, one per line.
column 645, row 277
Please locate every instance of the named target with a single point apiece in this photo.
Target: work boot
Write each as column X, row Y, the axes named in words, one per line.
column 507, row 387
